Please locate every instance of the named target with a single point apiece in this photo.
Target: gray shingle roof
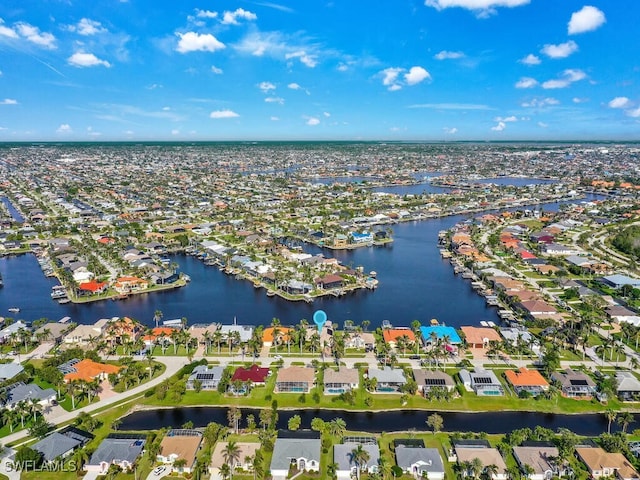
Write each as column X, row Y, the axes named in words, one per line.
column 426, row 459
column 287, row 448
column 55, row 445
column 116, row 450
column 342, row 455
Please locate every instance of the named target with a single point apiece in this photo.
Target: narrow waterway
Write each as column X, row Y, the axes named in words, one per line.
column 377, row 422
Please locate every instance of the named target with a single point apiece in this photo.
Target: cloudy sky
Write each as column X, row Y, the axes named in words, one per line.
column 309, row 69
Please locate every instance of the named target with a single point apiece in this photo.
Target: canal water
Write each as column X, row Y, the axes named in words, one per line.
column 377, row 422
column 415, row 283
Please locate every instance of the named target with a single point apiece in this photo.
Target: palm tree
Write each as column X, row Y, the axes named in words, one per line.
column 217, row 339
column 231, row 454
column 491, row 471
column 610, row 415
column 337, row 427
column 157, row 316
column 476, row 467
column 360, row 457
column 624, row 419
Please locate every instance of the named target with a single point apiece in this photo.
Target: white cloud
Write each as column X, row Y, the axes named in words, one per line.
column 499, row 127
column 540, row 102
column 274, row 100
column 313, row 121
column 266, row 87
column 526, row 82
column 530, row 59
column 33, row 35
column 416, row 75
column 326, row 114
column 390, row 75
column 482, row 8
column 64, row 128
column 206, row 13
column 294, row 86
column 216, row 70
column 543, row 125
column 6, row 31
column 309, row 60
column 9, row 101
column 223, row 114
column 166, row 109
column 231, row 18
column 87, row 27
column 175, row 131
column 450, row 131
column 281, row 47
column 562, row 50
column 447, row 55
column 193, row 42
column 568, row 77
column 579, row 100
column 586, row 19
column 512, row 118
column 635, row 113
column 274, row 119
column 83, row 59
column 619, row 102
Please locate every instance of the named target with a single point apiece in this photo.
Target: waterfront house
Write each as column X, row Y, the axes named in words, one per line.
column 245, row 450
column 435, row 333
column 525, row 380
column 295, row 379
column 243, row 332
column 343, row 457
column 85, row 334
column 180, row 444
column 340, row 381
column 298, row 451
column 329, row 281
column 209, row 377
column 482, row 382
column 536, row 308
column 13, row 329
column 51, row 331
column 121, row 450
column 541, row 459
column 628, row 386
column 89, row 370
column 255, row 374
column 395, row 336
column 618, row 280
column 416, row 460
column 479, row 337
column 92, row 287
column 487, row 456
column 59, row 445
column 430, row 379
column 123, row 330
column 575, row 384
column 276, row 336
column 21, row 392
column 388, row 379
column 360, row 238
column 600, row 464
column 130, row 284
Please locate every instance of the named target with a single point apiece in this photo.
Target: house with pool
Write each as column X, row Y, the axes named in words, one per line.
column 388, row 379
column 339, row 381
column 295, row 379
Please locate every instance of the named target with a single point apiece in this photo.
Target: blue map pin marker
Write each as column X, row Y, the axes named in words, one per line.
column 319, row 318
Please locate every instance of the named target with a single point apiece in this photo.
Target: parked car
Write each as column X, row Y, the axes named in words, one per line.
column 159, row 470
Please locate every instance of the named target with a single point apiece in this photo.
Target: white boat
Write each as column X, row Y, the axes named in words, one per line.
column 14, row 309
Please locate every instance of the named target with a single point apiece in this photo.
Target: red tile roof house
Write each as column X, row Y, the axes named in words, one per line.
column 92, row 287
column 391, row 335
column 524, row 380
column 254, row 374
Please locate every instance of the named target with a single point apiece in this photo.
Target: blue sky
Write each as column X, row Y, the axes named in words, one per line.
column 308, row 69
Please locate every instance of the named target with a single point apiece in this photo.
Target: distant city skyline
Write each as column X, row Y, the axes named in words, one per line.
column 429, row 70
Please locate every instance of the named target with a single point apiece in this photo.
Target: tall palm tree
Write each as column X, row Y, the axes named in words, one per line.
column 337, row 427
column 476, row 467
column 231, row 454
column 610, row 415
column 624, row 419
column 157, row 316
column 360, row 457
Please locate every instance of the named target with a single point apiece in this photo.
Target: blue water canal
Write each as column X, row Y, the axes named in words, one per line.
column 415, row 283
column 377, row 422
